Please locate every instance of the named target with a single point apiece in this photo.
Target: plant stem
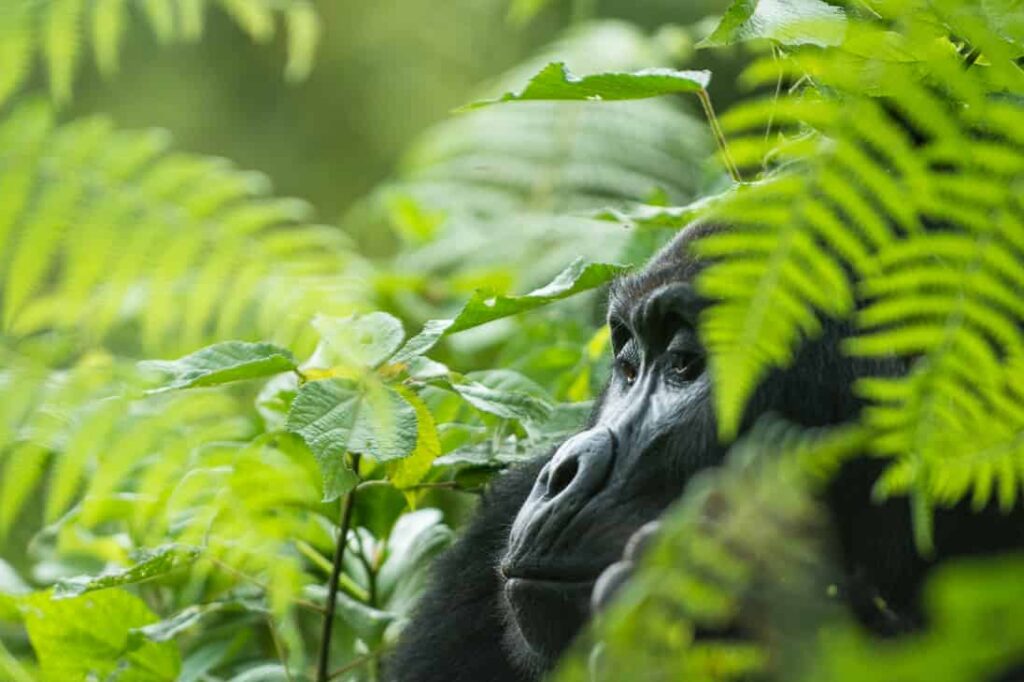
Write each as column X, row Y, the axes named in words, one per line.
column 382, row 483
column 353, row 664
column 323, row 659
column 716, row 130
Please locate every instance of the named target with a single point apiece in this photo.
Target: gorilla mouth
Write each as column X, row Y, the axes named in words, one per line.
column 548, row 604
column 555, row 575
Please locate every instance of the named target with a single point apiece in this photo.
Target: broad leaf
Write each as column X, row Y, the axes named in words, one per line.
column 555, row 82
column 360, row 341
column 504, row 393
column 367, row 622
column 416, row 538
column 169, row 628
column 87, row 638
column 411, row 470
column 336, row 416
column 155, row 563
column 790, row 22
column 484, row 308
column 222, row 363
column 1006, row 17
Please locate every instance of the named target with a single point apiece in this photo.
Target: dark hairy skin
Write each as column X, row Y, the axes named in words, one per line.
column 509, row 597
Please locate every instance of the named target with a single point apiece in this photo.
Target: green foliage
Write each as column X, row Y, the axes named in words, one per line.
column 153, row 564
column 89, row 636
column 533, row 172
column 742, row 548
column 57, row 30
column 223, row 362
column 554, row 82
column 102, row 232
column 854, row 194
column 790, row 22
column 483, row 307
column 175, row 518
column 962, row 600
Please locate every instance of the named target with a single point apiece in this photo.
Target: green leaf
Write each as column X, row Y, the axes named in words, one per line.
column 414, row 540
column 167, row 629
column 10, row 581
column 504, row 393
column 1006, row 17
column 222, row 363
column 555, row 82
column 664, row 217
column 358, row 341
column 411, row 470
column 87, row 638
column 367, row 622
column 155, row 563
column 336, row 416
column 11, row 588
column 790, row 22
column 484, row 307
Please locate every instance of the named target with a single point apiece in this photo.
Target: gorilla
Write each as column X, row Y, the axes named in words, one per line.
column 511, row 594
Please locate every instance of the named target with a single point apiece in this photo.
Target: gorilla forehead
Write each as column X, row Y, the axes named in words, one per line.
column 673, row 263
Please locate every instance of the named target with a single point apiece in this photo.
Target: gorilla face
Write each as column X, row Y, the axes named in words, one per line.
column 653, row 429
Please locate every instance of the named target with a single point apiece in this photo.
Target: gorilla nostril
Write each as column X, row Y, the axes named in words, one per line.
column 562, row 475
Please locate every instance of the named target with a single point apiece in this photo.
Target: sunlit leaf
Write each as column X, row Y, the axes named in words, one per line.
column 153, row 564
column 790, row 22
column 222, row 363
column 87, row 636
column 555, row 82
column 483, row 307
column 411, row 470
column 337, row 416
column 360, row 341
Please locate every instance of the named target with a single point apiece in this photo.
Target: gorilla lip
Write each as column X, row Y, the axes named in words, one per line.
column 565, row 576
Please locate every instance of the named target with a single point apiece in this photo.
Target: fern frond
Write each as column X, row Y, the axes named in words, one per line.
column 895, row 191
column 57, row 31
column 109, row 235
column 743, row 545
column 117, row 471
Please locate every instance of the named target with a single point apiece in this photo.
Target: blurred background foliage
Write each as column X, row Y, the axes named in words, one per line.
column 129, row 229
column 152, row 534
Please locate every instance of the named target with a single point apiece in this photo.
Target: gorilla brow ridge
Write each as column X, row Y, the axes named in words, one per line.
column 673, row 263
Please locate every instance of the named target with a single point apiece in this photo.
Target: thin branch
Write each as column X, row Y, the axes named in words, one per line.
column 323, row 659
column 383, row 483
column 353, row 664
column 775, row 100
column 716, row 129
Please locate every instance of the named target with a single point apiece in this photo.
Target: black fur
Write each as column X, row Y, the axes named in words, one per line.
column 458, row 632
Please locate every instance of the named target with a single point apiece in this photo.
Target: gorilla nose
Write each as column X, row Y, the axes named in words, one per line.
column 577, row 472
column 562, row 475
column 580, row 464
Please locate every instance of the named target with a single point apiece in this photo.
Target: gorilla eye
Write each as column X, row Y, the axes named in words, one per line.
column 628, row 370
column 687, row 367
column 627, row 362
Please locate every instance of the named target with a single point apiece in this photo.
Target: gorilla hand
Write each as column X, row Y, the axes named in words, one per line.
column 615, row 576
